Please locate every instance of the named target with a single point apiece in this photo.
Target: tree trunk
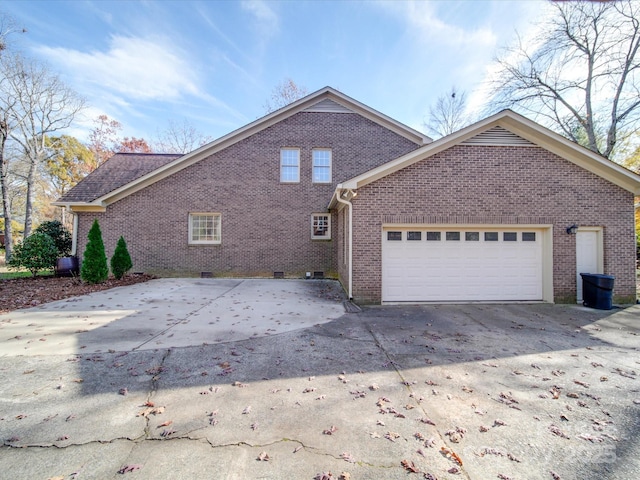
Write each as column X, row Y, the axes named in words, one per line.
column 28, row 213
column 8, row 233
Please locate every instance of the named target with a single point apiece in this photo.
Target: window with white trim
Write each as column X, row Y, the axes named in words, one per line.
column 321, row 158
column 289, row 165
column 204, row 228
column 321, row 226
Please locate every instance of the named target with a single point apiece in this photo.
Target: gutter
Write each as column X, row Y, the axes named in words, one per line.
column 338, row 196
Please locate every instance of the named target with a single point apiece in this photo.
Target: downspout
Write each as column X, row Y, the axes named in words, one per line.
column 74, row 234
column 350, row 260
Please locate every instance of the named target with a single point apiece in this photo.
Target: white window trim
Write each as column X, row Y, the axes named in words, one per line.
column 205, row 242
column 321, row 237
column 281, row 165
column 313, row 167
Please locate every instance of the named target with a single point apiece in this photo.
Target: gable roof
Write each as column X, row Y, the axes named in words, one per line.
column 119, row 169
column 324, row 100
column 506, row 128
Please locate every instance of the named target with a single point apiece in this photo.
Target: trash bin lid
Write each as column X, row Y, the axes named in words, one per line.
column 598, row 279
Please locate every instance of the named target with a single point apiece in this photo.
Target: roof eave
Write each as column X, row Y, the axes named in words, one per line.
column 259, row 125
column 523, row 127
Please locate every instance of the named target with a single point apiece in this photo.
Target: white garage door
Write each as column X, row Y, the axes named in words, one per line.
column 453, row 264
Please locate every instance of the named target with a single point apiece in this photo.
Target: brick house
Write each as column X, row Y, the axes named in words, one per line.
column 503, row 210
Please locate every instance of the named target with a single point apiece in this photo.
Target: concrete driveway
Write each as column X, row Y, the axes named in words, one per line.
column 451, row 391
column 167, row 313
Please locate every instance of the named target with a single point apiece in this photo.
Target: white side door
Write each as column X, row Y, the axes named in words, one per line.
column 588, row 256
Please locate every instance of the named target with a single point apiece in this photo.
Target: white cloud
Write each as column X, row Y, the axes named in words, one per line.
column 424, row 17
column 265, row 17
column 133, row 67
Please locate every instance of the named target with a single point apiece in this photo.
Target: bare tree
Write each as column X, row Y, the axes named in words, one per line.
column 104, row 139
column 283, row 94
column 8, row 27
column 43, row 105
column 180, row 138
column 7, row 102
column 447, row 115
column 580, row 75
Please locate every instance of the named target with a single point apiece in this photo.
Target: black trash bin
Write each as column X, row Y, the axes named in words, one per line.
column 597, row 290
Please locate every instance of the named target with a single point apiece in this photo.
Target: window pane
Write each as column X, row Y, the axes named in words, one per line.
column 414, row 235
column 394, row 236
column 433, row 236
column 510, row 237
column 321, row 166
column 490, row 236
column 472, row 236
column 453, row 236
column 289, row 165
column 320, row 225
column 529, row 236
column 205, row 228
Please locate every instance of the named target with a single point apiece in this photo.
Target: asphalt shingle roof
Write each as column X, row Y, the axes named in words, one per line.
column 117, row 171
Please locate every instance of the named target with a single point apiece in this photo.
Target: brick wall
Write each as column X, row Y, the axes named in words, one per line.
column 484, row 184
column 266, row 225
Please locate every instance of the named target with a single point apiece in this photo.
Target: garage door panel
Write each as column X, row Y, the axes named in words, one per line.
column 462, row 270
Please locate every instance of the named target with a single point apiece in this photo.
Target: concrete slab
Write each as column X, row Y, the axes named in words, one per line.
column 169, row 313
column 511, row 391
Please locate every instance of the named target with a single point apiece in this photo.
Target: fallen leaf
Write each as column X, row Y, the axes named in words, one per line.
column 345, row 476
column 165, row 424
column 151, row 411
column 347, row 457
column 410, row 466
column 447, row 452
column 391, row 436
column 129, row 468
column 324, row 476
column 556, row 431
column 555, row 475
column 246, row 410
column 263, row 457
column 297, row 449
column 331, row 430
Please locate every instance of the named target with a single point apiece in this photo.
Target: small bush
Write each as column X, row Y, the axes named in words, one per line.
column 59, row 234
column 121, row 260
column 94, row 263
column 37, row 252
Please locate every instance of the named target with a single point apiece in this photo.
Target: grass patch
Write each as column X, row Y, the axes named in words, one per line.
column 6, row 275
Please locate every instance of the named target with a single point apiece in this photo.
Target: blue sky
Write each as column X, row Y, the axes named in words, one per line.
column 215, row 63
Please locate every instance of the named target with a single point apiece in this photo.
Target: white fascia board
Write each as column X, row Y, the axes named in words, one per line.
column 523, row 127
column 574, row 153
column 378, row 117
column 255, row 127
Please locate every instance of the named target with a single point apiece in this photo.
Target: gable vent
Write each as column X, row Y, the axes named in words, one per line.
column 327, row 105
column 497, row 136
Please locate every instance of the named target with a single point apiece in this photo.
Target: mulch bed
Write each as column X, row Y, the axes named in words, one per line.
column 28, row 292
